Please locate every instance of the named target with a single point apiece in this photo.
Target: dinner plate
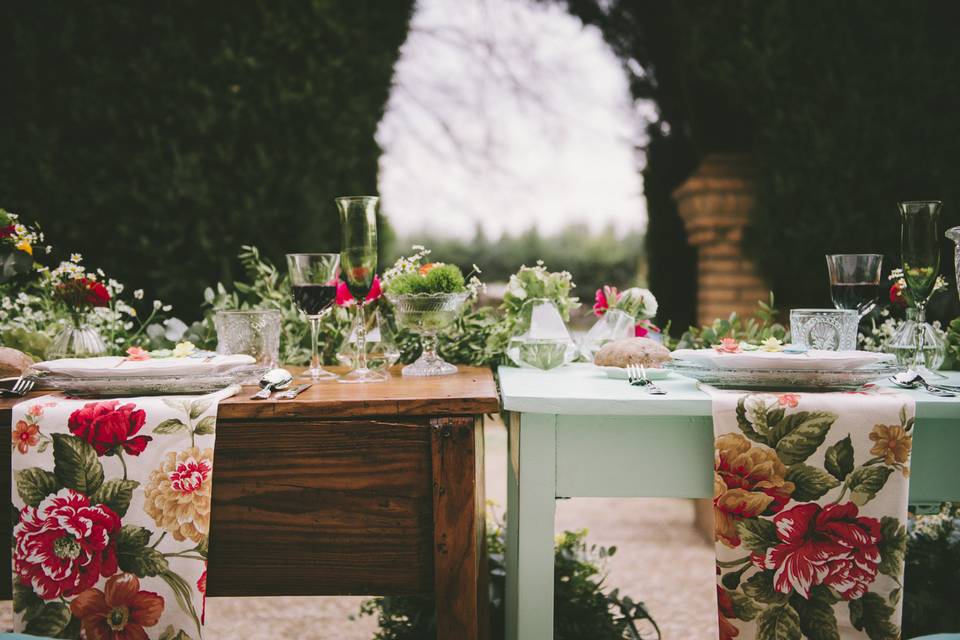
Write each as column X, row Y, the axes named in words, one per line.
column 781, row 360
column 100, row 386
column 114, row 367
column 785, row 379
column 620, row 373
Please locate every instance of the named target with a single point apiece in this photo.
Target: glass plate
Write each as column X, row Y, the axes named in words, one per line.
column 151, row 385
column 785, row 379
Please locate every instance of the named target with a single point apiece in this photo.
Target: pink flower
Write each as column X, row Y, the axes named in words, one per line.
column 189, row 475
column 345, row 298
column 64, row 545
column 36, row 411
column 789, row 400
column 644, row 328
column 728, row 345
column 640, row 331
column 108, row 426
column 137, row 354
column 824, row 545
column 604, row 299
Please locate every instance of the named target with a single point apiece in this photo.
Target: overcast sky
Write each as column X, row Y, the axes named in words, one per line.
column 508, row 113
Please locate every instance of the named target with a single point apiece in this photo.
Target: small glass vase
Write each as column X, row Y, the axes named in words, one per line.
column 542, row 340
column 427, row 314
column 615, row 324
column 903, row 344
column 77, row 339
column 954, row 234
column 380, row 344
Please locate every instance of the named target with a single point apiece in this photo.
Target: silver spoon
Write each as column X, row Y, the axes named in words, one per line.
column 273, row 380
column 912, row 380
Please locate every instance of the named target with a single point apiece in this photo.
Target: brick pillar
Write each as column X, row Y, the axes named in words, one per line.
column 714, row 203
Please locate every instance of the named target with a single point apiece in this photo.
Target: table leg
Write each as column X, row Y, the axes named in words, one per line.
column 531, row 509
column 460, row 569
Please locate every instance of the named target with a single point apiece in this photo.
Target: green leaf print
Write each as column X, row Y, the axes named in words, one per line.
column 866, row 482
column 759, row 586
column 872, row 615
column 116, row 494
column 779, row 622
column 798, row 435
column 811, row 483
column 35, row 484
column 75, row 464
column 839, row 459
column 817, row 618
column 50, row 621
column 893, row 547
column 757, row 534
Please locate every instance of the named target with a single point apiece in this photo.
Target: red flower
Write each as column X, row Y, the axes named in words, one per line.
column 640, row 331
column 8, row 230
column 119, row 612
column 828, row 545
column 83, row 293
column 896, row 294
column 63, row 546
column 97, row 294
column 603, row 299
column 108, row 427
column 724, row 612
column 202, row 588
column 25, row 435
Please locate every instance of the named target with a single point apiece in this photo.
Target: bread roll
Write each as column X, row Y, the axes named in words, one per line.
column 13, row 362
column 620, row 353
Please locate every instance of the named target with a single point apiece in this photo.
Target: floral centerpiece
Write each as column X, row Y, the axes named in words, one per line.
column 621, row 315
column 427, row 297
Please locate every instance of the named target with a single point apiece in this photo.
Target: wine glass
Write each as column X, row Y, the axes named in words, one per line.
column 855, row 280
column 920, row 253
column 314, row 279
column 358, row 256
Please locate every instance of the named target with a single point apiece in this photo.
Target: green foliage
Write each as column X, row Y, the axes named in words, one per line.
column 159, row 142
column 932, row 578
column 444, row 278
column 582, row 608
column 953, row 345
column 753, row 330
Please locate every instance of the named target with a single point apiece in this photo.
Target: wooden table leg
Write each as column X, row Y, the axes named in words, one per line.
column 531, row 511
column 460, row 568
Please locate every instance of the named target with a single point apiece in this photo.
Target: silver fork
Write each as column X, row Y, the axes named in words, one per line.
column 637, row 376
column 21, row 387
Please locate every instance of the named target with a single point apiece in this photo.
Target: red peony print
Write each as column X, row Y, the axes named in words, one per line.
column 25, row 435
column 108, row 426
column 824, row 545
column 63, row 546
column 189, row 475
column 724, row 612
column 119, row 612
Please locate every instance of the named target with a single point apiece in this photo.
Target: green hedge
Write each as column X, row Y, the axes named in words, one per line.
column 847, row 108
column 156, row 140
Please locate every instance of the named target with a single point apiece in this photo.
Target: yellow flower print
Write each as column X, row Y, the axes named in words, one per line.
column 892, row 443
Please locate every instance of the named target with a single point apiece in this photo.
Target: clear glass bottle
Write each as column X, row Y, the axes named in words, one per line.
column 615, row 324
column 77, row 339
column 903, row 344
column 542, row 340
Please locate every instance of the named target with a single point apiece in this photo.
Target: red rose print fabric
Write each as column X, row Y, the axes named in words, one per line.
column 112, row 501
column 810, row 510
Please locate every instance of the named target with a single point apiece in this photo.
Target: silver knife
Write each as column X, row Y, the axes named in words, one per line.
column 294, row 392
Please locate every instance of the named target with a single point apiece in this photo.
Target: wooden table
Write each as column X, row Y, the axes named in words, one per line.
column 575, row 433
column 349, row 489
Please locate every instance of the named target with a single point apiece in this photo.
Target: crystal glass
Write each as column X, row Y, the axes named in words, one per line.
column 314, row 278
column 358, row 257
column 855, row 280
column 824, row 329
column 541, row 340
column 253, row 332
column 615, row 324
column 903, row 343
column 427, row 314
column 381, row 346
column 954, row 234
column 77, row 339
column 920, row 253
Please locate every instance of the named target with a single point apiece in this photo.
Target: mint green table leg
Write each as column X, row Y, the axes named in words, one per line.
column 531, row 509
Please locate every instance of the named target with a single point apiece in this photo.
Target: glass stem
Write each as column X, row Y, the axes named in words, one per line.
column 429, row 342
column 919, row 360
column 314, row 344
column 361, row 338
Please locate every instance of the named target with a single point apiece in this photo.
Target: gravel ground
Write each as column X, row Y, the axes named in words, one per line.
column 661, row 560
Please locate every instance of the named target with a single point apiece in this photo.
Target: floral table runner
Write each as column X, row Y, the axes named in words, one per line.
column 810, row 506
column 112, row 512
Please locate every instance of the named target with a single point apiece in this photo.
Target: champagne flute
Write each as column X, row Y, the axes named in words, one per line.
column 314, row 279
column 920, row 253
column 358, row 256
column 855, row 280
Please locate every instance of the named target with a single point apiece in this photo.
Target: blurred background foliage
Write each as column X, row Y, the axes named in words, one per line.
column 157, row 142
column 844, row 107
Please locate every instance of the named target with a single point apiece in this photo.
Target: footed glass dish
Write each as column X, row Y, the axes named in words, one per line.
column 428, row 314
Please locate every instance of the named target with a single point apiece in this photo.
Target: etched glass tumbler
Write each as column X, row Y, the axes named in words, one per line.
column 824, row 329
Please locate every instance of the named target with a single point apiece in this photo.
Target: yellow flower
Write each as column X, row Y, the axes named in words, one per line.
column 177, row 495
column 771, row 344
column 183, row 349
column 24, row 245
column 893, row 443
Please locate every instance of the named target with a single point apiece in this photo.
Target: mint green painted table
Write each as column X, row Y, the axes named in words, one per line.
column 575, row 433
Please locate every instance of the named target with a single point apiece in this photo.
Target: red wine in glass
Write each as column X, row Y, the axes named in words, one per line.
column 312, row 299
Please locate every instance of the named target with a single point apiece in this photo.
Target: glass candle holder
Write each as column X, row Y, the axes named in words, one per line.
column 825, row 329
column 254, row 332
